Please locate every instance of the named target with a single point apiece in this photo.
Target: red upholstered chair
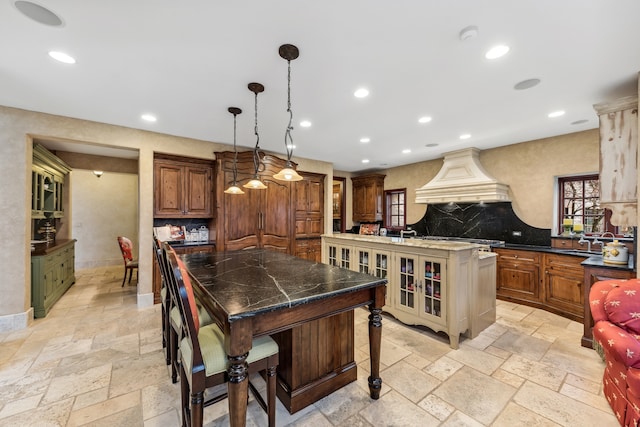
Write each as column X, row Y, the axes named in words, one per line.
column 130, row 264
column 615, row 307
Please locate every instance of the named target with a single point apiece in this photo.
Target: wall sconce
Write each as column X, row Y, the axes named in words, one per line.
column 288, row 52
column 98, row 173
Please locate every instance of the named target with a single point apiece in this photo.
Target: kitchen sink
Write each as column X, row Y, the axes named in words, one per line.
column 579, row 252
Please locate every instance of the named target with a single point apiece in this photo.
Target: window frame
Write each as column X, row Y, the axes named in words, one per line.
column 561, row 180
column 388, row 194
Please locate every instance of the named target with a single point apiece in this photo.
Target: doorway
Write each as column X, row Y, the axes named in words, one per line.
column 338, row 201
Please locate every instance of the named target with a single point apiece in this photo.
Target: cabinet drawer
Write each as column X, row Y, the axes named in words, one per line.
column 511, row 255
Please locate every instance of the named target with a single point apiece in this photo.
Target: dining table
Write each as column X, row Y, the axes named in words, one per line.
column 256, row 292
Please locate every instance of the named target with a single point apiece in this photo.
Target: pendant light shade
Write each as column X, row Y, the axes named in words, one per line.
column 233, row 188
column 256, row 183
column 288, row 52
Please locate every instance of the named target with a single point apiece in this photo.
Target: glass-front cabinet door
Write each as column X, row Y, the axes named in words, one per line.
column 406, row 276
column 340, row 256
column 433, row 287
column 364, row 260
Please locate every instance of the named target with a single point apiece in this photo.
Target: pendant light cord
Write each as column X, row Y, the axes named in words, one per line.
column 256, row 153
column 288, row 139
column 235, row 152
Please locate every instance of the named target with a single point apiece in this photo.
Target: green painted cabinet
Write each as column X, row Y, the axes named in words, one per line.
column 52, row 273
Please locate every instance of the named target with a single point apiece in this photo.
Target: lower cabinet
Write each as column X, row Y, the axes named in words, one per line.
column 310, row 249
column 518, row 275
column 549, row 281
column 52, row 273
column 436, row 286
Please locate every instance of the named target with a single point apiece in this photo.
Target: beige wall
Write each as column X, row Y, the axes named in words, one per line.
column 528, row 168
column 103, row 209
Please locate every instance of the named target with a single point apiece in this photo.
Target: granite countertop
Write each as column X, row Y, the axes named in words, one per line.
column 593, row 258
column 248, row 282
column 446, row 245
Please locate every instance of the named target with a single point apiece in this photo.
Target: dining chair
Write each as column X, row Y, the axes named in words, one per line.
column 130, row 264
column 172, row 323
column 165, row 298
column 204, row 361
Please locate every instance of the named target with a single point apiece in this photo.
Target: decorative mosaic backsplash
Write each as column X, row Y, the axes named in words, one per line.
column 494, row 221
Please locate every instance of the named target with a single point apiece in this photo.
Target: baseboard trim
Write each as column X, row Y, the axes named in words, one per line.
column 17, row 321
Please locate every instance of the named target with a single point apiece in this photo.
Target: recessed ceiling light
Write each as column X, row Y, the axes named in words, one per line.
column 365, row 160
column 465, row 136
column 149, row 117
column 497, row 51
column 365, row 140
column 526, row 84
column 406, row 151
column 580, row 122
column 556, row 114
column 305, row 123
column 62, row 57
column 38, row 13
column 431, row 145
column 424, row 119
column 361, row 93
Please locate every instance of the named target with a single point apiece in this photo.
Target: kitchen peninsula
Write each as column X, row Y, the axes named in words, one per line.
column 448, row 286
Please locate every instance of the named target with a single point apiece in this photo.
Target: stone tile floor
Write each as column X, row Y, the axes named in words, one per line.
column 97, row 360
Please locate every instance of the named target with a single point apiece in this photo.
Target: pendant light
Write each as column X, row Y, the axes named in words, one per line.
column 234, row 189
column 255, row 183
column 288, row 52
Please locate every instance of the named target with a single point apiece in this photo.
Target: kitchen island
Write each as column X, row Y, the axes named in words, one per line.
column 306, row 307
column 447, row 286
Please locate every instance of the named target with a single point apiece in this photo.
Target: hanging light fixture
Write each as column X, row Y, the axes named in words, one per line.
column 288, row 52
column 234, row 189
column 255, row 183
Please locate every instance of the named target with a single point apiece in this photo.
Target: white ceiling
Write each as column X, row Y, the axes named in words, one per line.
column 187, row 62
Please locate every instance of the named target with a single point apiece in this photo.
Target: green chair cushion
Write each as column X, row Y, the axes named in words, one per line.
column 203, row 316
column 214, row 357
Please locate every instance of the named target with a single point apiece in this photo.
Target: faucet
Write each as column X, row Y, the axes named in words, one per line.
column 587, row 241
column 613, row 236
column 403, row 232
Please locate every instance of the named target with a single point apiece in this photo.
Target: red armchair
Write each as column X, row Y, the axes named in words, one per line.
column 615, row 307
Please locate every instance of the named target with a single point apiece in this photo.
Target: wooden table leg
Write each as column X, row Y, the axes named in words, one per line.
column 238, row 389
column 375, row 337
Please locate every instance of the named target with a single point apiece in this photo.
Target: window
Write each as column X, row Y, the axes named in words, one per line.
column 395, row 209
column 580, row 209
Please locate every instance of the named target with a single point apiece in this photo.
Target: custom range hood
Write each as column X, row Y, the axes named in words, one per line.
column 462, row 179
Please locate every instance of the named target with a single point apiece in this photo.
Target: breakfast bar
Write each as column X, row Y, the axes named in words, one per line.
column 260, row 292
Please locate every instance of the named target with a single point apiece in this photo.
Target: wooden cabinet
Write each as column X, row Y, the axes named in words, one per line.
column 563, row 285
column 257, row 218
column 618, row 159
column 368, row 198
column 309, row 215
column 593, row 274
column 183, row 187
column 552, row 282
column 518, row 276
column 48, row 174
column 52, row 273
column 433, row 287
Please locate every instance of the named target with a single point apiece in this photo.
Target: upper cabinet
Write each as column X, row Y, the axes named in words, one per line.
column 368, row 192
column 183, row 187
column 257, row 218
column 309, row 202
column 619, row 159
column 48, row 173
